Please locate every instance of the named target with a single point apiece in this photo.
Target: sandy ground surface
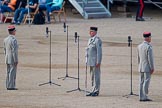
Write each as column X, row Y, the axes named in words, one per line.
column 33, row 68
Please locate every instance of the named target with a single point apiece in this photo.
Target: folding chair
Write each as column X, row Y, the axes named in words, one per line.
column 9, row 16
column 59, row 12
column 31, row 15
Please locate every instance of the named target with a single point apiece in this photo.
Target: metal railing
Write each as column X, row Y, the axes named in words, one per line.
column 84, row 3
column 108, row 4
column 156, row 3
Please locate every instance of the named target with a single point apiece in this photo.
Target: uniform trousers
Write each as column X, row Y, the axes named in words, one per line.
column 5, row 8
column 95, row 78
column 19, row 14
column 140, row 9
column 145, row 78
column 50, row 9
column 11, row 76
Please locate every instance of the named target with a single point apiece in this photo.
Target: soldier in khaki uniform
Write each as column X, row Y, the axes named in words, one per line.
column 146, row 66
column 11, row 57
column 93, row 59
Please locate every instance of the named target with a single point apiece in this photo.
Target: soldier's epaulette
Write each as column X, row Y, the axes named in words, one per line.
column 12, row 38
column 97, row 37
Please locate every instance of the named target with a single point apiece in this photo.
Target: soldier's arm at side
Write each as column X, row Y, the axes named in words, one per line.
column 4, row 47
column 15, row 51
column 150, row 59
column 99, row 52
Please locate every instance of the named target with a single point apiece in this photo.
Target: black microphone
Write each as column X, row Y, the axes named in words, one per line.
column 46, row 31
column 64, row 27
column 129, row 40
column 75, row 37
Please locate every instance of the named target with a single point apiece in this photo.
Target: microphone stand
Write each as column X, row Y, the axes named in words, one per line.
column 130, row 45
column 78, row 88
column 66, row 75
column 86, row 80
column 49, row 82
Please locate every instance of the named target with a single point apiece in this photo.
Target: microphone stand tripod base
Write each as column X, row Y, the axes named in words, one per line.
column 67, row 76
column 131, row 94
column 77, row 89
column 50, row 82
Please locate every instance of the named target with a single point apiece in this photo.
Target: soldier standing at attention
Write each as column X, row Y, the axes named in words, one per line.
column 93, row 59
column 140, row 9
column 146, row 66
column 11, row 57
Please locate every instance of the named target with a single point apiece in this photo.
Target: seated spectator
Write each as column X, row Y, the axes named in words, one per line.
column 20, row 12
column 51, row 6
column 8, row 6
column 21, row 4
column 4, row 2
column 42, row 5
